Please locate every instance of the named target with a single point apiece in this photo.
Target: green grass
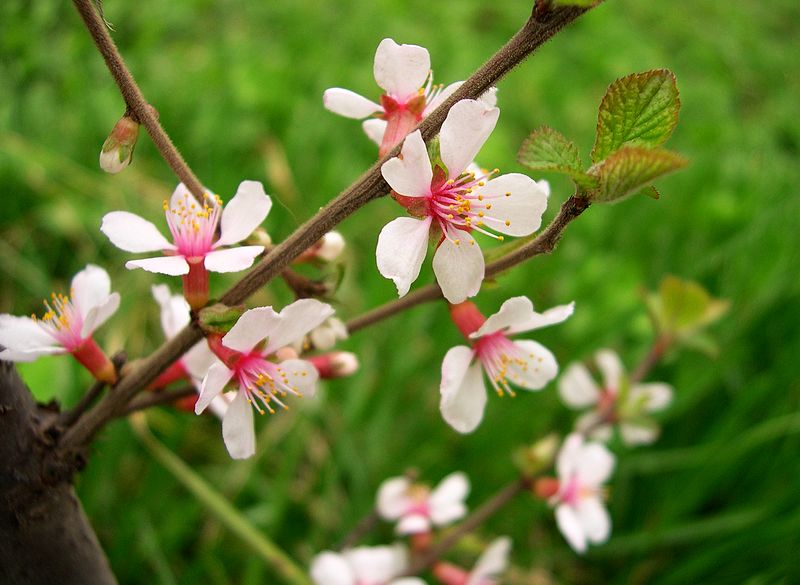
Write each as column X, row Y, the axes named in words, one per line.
column 237, row 84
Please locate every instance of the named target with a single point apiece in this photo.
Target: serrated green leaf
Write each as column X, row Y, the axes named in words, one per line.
column 637, row 110
column 546, row 149
column 630, row 169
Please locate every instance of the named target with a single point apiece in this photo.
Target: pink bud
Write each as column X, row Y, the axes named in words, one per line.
column 449, row 574
column 117, row 151
column 337, row 364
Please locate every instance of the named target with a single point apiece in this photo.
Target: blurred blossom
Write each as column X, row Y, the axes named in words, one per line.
column 378, row 565
column 197, row 245
column 247, row 351
column 616, row 402
column 328, row 334
column 67, row 325
column 487, row 569
column 336, row 364
column 417, row 509
column 582, row 470
column 448, row 203
column 524, row 363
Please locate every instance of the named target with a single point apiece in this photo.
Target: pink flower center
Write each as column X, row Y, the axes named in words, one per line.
column 264, row 382
column 573, row 491
column 193, row 226
column 62, row 321
column 502, row 360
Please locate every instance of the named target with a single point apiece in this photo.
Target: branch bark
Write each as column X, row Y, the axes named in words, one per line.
column 45, row 536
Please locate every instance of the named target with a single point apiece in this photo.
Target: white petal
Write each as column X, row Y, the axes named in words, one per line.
column 540, row 366
column 171, row 265
column 132, row 233
column 214, row 382
column 577, row 388
column 232, row 259
column 349, row 104
column 329, row 568
column 569, row 456
column 198, row 360
column 100, row 314
column 402, row 245
column 413, row 524
column 551, row 316
column 460, row 267
column 29, row 355
column 219, row 406
column 591, row 423
column 489, row 97
column 446, row 502
column 180, row 195
column 517, row 214
column 238, row 429
column 611, row 367
column 374, row 128
column 467, row 126
column 463, row 395
column 595, row 464
column 175, row 311
column 633, row 434
column 440, row 97
column 410, row 174
column 301, row 376
column 253, row 326
column 594, row 518
column 514, row 311
column 401, row 70
column 296, row 320
column 244, row 213
column 492, row 562
column 377, row 564
column 654, row 395
column 24, row 334
column 392, row 500
column 407, row 581
column 570, row 526
column 90, row 288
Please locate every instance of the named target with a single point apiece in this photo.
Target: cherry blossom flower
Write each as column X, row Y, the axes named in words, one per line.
column 524, row 363
column 487, row 569
column 246, row 352
column 377, row 565
column 66, row 326
column 196, row 247
column 404, row 73
column 418, row 509
column 582, row 470
column 450, row 204
column 195, row 363
column 616, row 402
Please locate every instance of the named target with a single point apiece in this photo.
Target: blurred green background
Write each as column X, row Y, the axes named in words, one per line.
column 238, row 85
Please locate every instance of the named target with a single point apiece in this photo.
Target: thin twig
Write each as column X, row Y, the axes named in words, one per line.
column 533, row 34
column 654, row 355
column 68, row 417
column 478, row 517
column 134, row 99
column 158, row 399
column 544, row 243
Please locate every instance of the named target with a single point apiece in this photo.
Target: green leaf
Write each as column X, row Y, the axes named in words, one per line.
column 631, row 169
column 549, row 150
column 637, row 110
column 681, row 308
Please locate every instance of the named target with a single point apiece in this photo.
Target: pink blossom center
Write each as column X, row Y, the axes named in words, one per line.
column 502, row 360
column 194, row 226
column 263, row 382
column 62, row 321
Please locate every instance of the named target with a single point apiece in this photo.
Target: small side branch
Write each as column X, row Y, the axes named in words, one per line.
column 158, row 399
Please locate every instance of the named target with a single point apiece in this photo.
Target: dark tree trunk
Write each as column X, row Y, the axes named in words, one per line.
column 45, row 538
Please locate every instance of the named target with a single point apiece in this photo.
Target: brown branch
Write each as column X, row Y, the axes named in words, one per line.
column 158, row 399
column 135, row 102
column 544, row 243
column 370, row 185
column 478, row 517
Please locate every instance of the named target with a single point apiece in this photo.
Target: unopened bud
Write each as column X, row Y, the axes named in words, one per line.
column 450, row 574
column 532, row 459
column 117, row 151
column 331, row 246
column 259, row 237
column 546, row 487
column 337, row 364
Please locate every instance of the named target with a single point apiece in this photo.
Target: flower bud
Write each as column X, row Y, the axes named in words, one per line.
column 259, row 237
column 326, row 335
column 532, row 459
column 337, row 364
column 117, row 151
column 331, row 246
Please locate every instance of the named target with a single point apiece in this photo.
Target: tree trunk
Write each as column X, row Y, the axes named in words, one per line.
column 45, row 537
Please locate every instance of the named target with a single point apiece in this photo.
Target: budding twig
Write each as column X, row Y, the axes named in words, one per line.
column 370, row 185
column 158, row 399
